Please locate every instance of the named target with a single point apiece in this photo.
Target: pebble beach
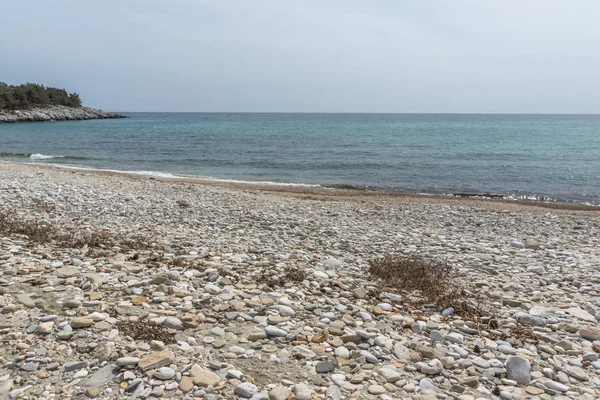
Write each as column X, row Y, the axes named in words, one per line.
column 204, row 309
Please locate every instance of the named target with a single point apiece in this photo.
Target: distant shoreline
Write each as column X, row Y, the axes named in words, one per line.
column 55, row 113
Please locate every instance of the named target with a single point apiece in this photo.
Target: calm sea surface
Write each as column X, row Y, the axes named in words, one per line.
column 542, row 157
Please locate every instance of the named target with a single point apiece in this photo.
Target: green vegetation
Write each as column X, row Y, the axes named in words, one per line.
column 31, row 95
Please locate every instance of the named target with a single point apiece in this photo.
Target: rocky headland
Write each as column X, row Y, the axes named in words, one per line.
column 119, row 287
column 55, row 113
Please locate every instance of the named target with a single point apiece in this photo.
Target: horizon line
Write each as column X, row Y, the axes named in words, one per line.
column 349, row 112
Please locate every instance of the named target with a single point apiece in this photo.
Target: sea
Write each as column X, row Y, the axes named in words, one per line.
column 549, row 158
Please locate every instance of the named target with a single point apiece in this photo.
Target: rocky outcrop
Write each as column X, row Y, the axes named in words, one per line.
column 55, row 113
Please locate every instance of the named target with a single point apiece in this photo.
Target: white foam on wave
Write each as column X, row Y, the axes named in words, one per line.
column 156, row 174
column 265, row 183
column 38, row 156
column 144, row 173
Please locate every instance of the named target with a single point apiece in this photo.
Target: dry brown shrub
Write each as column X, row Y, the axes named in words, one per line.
column 290, row 274
column 40, row 232
column 146, row 331
column 295, row 275
column 429, row 282
column 523, row 332
column 434, row 281
column 34, row 230
column 181, row 262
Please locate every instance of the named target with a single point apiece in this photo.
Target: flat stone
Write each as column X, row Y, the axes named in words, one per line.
column 76, row 365
column 82, row 322
column 72, row 303
column 332, row 263
column 186, row 384
column 471, row 381
column 376, row 389
column 203, row 377
column 333, row 392
column 581, row 314
column 279, row 393
column 436, row 336
column 45, row 327
column 174, row 323
column 274, row 331
column 29, row 366
column 427, row 384
column 433, row 368
column 245, row 390
column 534, row 390
column 342, row 352
column 156, row 360
column 67, row 272
column 530, row 319
column 302, row 392
column 326, row 366
column 389, row 375
column 127, row 361
column 25, row 299
column 559, row 387
column 590, row 333
column 101, row 377
column 285, row 310
column 257, row 335
column 577, row 372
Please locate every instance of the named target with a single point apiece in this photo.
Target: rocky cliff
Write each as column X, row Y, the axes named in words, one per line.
column 55, row 113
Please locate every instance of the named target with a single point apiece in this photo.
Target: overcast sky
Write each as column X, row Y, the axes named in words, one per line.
column 513, row 56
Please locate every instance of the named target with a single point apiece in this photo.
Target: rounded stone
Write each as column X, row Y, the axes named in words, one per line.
column 279, row 393
column 246, row 390
column 92, row 392
column 518, row 370
column 164, row 373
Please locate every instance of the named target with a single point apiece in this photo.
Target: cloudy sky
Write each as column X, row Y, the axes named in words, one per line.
column 497, row 56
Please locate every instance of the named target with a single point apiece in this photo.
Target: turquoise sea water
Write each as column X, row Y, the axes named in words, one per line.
column 542, row 157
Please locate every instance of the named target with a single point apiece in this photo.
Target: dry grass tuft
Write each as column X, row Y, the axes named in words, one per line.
column 430, row 282
column 295, row 275
column 181, row 262
column 41, row 232
column 34, row 230
column 523, row 332
column 433, row 281
column 145, row 330
column 291, row 274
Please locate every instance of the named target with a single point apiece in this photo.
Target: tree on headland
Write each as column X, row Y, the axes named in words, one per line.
column 31, row 95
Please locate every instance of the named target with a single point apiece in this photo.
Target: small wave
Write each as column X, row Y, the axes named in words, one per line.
column 346, row 186
column 15, row 155
column 266, row 183
column 38, row 156
column 156, row 174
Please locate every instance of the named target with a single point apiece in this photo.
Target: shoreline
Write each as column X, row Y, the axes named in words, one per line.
column 318, row 192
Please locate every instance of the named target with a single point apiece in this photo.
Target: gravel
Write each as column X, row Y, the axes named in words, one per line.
column 205, row 309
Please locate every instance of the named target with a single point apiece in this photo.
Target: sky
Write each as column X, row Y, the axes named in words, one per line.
column 404, row 56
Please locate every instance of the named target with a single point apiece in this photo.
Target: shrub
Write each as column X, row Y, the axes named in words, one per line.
column 40, row 232
column 146, row 331
column 434, row 281
column 290, row 274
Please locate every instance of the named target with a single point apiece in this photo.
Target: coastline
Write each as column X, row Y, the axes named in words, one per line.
column 178, row 287
column 55, row 113
column 318, row 192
